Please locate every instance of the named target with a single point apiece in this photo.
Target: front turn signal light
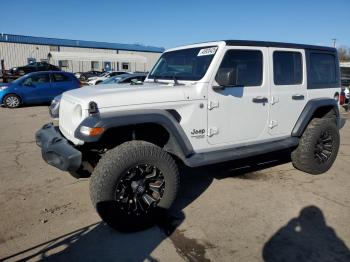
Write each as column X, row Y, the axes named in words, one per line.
column 91, row 131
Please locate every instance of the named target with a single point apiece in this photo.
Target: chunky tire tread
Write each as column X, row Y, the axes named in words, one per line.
column 111, row 166
column 303, row 156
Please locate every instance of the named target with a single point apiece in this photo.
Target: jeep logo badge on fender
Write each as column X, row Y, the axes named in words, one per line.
column 198, row 133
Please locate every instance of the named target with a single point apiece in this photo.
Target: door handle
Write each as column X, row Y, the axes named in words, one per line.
column 260, row 99
column 298, row 97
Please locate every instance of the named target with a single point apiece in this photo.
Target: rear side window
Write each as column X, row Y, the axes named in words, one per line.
column 60, row 78
column 287, row 68
column 247, row 66
column 322, row 70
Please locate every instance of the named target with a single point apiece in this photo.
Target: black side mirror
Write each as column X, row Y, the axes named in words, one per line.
column 225, row 77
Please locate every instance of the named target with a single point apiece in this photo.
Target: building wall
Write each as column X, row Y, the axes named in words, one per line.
column 16, row 54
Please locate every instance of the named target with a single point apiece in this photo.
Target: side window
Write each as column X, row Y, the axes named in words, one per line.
column 322, row 69
column 127, row 80
column 37, row 79
column 125, row 66
column 60, row 78
column 287, row 68
column 246, row 66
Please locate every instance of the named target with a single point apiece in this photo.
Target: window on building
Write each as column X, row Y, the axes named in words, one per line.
column 57, row 77
column 322, row 70
column 54, row 48
column 125, row 66
column 95, row 65
column 247, row 66
column 287, row 68
column 63, row 63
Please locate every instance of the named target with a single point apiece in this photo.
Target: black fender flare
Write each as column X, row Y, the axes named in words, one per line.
column 178, row 143
column 309, row 110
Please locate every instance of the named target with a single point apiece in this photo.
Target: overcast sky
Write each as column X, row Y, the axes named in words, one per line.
column 173, row 23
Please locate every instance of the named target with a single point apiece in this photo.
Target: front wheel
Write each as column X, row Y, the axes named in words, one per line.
column 132, row 184
column 12, row 101
column 318, row 146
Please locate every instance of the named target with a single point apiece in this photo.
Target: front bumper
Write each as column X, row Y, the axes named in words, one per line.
column 56, row 150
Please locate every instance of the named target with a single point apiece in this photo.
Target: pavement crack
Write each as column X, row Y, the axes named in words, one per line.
column 329, row 199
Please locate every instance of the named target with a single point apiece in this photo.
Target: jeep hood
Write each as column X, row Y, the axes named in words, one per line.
column 114, row 95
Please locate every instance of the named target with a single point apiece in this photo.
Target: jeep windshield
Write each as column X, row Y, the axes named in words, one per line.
column 186, row 64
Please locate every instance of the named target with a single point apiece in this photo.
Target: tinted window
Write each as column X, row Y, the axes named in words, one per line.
column 37, row 79
column 60, row 78
column 287, row 68
column 247, row 66
column 322, row 69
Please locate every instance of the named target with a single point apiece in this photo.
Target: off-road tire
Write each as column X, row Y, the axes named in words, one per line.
column 9, row 101
column 110, row 171
column 304, row 156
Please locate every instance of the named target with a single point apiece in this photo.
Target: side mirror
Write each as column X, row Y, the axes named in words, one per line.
column 225, row 77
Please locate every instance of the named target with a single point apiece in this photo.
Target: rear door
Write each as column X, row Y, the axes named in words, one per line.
column 288, row 89
column 61, row 83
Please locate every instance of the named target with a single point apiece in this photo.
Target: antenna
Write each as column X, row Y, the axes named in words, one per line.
column 334, row 42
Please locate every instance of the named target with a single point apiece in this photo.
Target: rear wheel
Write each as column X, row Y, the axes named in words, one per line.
column 132, row 184
column 12, row 101
column 318, row 146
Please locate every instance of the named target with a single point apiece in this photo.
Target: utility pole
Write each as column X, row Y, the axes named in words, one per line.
column 334, row 42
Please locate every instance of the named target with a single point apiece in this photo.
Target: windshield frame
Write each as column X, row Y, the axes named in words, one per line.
column 174, row 76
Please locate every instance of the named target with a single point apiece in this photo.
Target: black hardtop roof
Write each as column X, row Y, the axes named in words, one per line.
column 277, row 44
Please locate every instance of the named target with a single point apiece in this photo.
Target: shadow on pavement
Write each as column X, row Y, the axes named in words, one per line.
column 306, row 238
column 98, row 242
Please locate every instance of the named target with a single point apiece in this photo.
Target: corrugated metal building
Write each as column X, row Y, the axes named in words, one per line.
column 19, row 50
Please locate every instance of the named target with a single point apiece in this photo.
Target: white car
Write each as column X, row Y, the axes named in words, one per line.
column 201, row 104
column 99, row 79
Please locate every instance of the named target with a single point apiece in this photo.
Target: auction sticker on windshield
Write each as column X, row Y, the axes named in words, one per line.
column 207, row 51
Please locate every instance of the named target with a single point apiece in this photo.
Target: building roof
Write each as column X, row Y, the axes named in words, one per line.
column 76, row 43
column 277, row 44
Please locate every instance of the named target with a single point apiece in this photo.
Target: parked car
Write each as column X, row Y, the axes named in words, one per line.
column 99, row 79
column 33, row 67
column 86, row 75
column 126, row 79
column 37, row 87
column 119, row 80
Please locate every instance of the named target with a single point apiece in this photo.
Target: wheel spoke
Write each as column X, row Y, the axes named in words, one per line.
column 148, row 199
column 152, row 175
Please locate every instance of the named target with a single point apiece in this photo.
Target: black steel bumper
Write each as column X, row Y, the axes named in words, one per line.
column 56, row 150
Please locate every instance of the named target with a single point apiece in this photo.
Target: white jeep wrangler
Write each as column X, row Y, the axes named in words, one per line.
column 201, row 104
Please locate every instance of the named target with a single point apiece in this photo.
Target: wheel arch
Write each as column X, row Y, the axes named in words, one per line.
column 12, row 93
column 160, row 127
column 316, row 108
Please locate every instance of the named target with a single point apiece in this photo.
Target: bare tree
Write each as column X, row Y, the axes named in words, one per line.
column 344, row 53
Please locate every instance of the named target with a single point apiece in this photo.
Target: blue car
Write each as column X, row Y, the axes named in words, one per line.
column 35, row 88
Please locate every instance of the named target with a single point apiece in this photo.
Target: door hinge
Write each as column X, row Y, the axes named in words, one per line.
column 273, row 124
column 274, row 100
column 213, row 104
column 213, row 131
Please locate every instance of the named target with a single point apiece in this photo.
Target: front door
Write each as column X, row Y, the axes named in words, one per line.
column 238, row 114
column 288, row 89
column 36, row 88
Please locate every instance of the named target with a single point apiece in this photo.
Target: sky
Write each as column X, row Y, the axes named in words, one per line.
column 166, row 23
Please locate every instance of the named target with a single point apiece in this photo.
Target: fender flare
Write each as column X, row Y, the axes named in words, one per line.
column 178, row 143
column 309, row 110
